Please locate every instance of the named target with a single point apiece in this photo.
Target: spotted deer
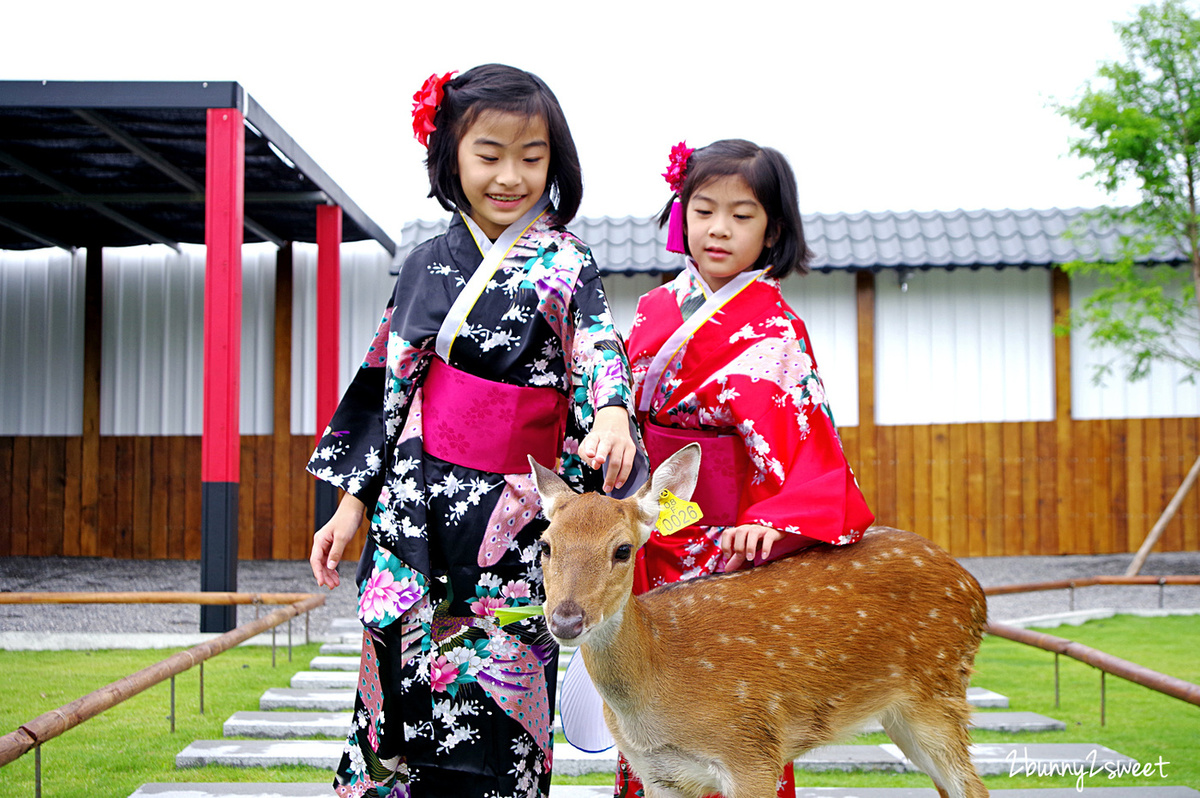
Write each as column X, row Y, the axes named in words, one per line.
column 714, row 684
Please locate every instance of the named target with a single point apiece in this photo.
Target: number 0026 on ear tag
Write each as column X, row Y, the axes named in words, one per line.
column 674, row 513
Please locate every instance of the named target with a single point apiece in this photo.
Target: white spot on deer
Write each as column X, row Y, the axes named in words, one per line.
column 933, row 613
column 856, row 564
column 707, row 665
column 918, row 561
column 862, row 613
column 941, row 655
column 834, row 588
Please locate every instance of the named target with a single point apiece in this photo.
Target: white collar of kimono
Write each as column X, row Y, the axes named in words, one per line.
column 494, row 254
column 713, row 302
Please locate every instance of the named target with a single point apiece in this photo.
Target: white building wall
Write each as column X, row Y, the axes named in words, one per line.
column 1164, row 392
column 964, row 346
column 366, row 288
column 152, row 365
column 827, row 304
column 958, row 346
column 41, row 342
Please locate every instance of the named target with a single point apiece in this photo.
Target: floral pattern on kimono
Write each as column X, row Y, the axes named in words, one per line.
column 449, row 702
column 749, row 369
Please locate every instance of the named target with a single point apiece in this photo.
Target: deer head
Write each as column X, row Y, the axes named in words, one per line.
column 588, row 549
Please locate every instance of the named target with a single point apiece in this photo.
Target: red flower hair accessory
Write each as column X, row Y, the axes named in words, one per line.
column 677, row 165
column 426, row 102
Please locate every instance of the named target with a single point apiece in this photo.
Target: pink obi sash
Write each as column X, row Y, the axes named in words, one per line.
column 723, row 466
column 490, row 426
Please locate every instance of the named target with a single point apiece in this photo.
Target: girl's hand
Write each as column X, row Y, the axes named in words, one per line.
column 740, row 544
column 331, row 539
column 609, row 441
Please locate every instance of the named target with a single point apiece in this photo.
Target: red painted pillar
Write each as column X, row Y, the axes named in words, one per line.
column 224, row 186
column 329, row 303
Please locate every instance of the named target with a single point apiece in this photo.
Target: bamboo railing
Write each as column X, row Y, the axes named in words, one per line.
column 51, row 724
column 1106, row 663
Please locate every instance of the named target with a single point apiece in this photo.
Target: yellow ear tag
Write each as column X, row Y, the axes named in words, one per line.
column 674, row 513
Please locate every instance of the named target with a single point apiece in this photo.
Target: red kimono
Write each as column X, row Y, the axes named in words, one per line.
column 747, row 370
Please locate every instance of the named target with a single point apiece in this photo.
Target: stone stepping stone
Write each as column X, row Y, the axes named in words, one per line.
column 334, row 664
column 322, row 790
column 284, row 725
column 324, row 700
column 235, row 790
column 986, row 699
column 354, row 649
column 259, row 753
column 346, row 627
column 325, row 680
column 1003, row 722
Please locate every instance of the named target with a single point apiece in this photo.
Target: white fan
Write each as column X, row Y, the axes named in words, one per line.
column 581, row 710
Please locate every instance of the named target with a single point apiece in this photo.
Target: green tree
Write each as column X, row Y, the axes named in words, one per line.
column 1141, row 125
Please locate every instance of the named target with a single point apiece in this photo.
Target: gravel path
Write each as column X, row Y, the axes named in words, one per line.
column 275, row 576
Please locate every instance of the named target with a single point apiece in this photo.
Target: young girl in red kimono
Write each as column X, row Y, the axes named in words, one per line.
column 719, row 357
column 497, row 343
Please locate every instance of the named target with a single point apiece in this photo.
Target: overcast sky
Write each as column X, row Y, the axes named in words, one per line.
column 879, row 105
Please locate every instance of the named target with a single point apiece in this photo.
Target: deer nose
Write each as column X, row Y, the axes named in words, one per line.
column 566, row 621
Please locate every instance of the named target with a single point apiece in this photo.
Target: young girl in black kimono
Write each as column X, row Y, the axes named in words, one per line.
column 497, row 343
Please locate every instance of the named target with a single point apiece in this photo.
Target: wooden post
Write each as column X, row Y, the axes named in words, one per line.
column 1060, row 286
column 1140, row 559
column 281, row 429
column 867, row 467
column 93, row 330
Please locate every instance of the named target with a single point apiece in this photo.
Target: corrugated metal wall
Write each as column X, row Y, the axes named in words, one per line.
column 964, row 346
column 366, row 288
column 152, row 362
column 956, row 347
column 41, row 343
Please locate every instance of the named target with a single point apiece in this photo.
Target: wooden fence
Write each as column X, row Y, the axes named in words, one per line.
column 1073, row 487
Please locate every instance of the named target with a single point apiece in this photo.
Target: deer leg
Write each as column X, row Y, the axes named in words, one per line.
column 936, row 741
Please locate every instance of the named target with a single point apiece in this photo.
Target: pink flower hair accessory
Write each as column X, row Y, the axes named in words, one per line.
column 677, row 166
column 675, row 175
column 426, row 102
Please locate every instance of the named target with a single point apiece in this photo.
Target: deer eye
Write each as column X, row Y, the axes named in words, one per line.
column 544, row 548
column 623, row 552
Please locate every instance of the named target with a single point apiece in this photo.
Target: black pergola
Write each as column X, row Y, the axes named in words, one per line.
column 109, row 164
column 118, row 164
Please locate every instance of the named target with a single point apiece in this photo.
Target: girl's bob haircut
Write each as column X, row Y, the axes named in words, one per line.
column 504, row 89
column 770, row 177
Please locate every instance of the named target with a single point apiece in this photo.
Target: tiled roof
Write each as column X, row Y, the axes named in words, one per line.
column 868, row 241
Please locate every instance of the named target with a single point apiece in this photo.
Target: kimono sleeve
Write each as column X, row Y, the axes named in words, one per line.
column 800, row 481
column 355, row 445
column 599, row 377
column 350, row 452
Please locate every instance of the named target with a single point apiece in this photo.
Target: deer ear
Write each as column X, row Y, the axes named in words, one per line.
column 550, row 487
column 676, row 474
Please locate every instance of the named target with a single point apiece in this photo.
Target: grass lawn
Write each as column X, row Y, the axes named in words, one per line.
column 118, row 751
column 131, row 744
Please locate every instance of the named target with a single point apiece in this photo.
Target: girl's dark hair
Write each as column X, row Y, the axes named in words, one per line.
column 496, row 87
column 771, row 179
